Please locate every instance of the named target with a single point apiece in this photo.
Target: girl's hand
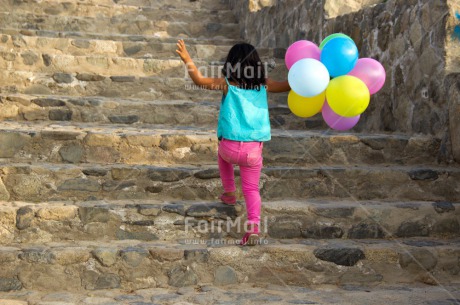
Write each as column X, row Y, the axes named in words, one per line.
column 195, row 74
column 182, row 51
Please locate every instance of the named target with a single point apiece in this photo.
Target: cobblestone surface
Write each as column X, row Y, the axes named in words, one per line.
column 246, row 294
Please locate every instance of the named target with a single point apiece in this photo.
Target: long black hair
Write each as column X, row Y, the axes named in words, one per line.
column 243, row 66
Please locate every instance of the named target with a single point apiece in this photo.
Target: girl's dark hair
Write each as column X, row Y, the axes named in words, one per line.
column 243, row 66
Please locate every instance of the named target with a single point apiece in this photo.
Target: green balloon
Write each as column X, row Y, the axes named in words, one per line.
column 328, row 38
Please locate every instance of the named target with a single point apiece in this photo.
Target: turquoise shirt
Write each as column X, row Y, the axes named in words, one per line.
column 244, row 115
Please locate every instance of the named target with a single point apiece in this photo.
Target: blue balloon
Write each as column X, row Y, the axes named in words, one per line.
column 308, row 77
column 340, row 56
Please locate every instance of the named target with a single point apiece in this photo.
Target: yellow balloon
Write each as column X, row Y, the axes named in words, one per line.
column 305, row 107
column 347, row 95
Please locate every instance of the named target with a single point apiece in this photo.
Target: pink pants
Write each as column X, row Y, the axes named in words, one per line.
column 248, row 155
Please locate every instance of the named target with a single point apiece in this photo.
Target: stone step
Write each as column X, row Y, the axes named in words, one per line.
column 149, row 220
column 19, row 107
column 180, row 4
column 158, row 4
column 141, row 26
column 108, row 37
column 117, row 11
column 38, row 182
column 104, row 65
column 143, row 88
column 126, row 87
column 65, row 66
column 162, row 144
column 155, row 48
column 242, row 294
column 31, row 61
column 130, row 265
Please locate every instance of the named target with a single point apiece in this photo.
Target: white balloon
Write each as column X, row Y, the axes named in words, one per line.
column 308, row 77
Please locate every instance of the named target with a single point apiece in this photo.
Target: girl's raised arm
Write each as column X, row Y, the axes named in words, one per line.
column 195, row 74
column 276, row 87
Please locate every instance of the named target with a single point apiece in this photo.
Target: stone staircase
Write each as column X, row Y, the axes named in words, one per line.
column 109, row 177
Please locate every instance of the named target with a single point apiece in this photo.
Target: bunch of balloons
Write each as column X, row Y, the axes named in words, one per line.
column 332, row 80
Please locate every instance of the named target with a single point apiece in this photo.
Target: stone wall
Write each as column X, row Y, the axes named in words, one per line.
column 453, row 87
column 407, row 37
column 334, row 8
column 280, row 23
column 453, row 38
column 453, row 72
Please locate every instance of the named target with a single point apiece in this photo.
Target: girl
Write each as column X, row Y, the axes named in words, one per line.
column 243, row 124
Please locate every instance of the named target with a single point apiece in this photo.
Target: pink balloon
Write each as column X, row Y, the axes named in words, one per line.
column 301, row 49
column 371, row 72
column 336, row 121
